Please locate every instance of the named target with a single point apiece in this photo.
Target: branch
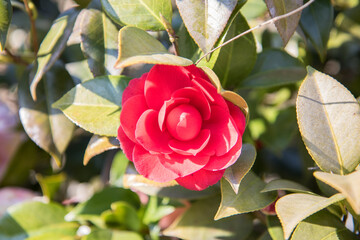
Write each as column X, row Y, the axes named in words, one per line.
column 172, row 35
column 16, row 59
column 275, row 19
column 33, row 27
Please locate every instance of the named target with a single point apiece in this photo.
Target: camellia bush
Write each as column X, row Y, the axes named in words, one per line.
column 212, row 119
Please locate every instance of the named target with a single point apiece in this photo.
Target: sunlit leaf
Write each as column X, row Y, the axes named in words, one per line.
column 287, row 185
column 50, row 185
column 79, row 71
column 237, row 100
column 5, row 18
column 293, row 208
column 122, row 214
column 95, row 104
column 98, row 145
column 329, row 121
column 118, row 168
column 144, row 14
column 156, row 209
column 106, row 234
column 274, row 227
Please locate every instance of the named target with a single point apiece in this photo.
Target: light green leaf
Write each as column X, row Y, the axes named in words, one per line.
column 156, row 209
column 329, row 121
column 349, row 21
column 274, row 227
column 144, row 14
column 98, row 145
column 287, row 26
column 79, row 71
column 316, row 22
column 347, row 185
column 53, row 45
column 45, row 125
column 50, row 185
column 99, row 42
column 5, row 19
column 95, row 104
column 118, row 169
column 137, row 46
column 275, row 67
column 106, row 234
column 248, row 199
column 293, row 208
column 287, row 185
column 197, row 223
column 122, row 215
column 235, row 173
column 205, row 20
column 83, row 3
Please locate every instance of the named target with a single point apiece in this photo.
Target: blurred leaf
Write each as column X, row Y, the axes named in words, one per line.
column 33, row 220
column 345, row 3
column 254, row 9
column 287, row 185
column 187, row 46
column 235, row 173
column 156, row 209
column 197, row 223
column 118, row 168
column 144, row 14
column 79, row 71
column 316, row 22
column 205, row 21
column 287, row 26
column 347, row 185
column 106, row 234
column 53, row 45
column 46, row 126
column 274, row 227
column 99, row 42
column 322, row 225
column 5, row 19
column 137, row 46
column 94, row 108
column 98, row 145
column 248, row 199
column 83, row 3
column 275, row 67
column 329, row 120
column 50, row 184
column 122, row 215
column 349, row 21
column 293, row 208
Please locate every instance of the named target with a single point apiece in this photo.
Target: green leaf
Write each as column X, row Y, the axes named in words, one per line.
column 248, row 199
column 106, row 234
column 316, row 22
column 287, row 185
column 83, row 3
column 94, row 108
column 35, row 219
column 235, row 173
column 156, row 209
column 329, row 122
column 322, row 225
column 287, row 26
column 197, row 223
column 205, row 21
column 53, row 45
column 99, row 42
column 118, row 169
column 347, row 185
column 293, row 208
column 137, row 46
column 50, row 185
column 79, row 71
column 349, row 21
column 45, row 125
column 98, row 145
column 144, row 14
column 275, row 67
column 122, row 215
column 5, row 19
column 274, row 227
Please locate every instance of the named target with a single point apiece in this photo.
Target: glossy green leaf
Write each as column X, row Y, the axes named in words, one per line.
column 79, row 71
column 53, row 45
column 347, row 185
column 287, row 185
column 293, row 208
column 205, row 21
column 50, row 185
column 324, row 226
column 98, row 145
column 106, row 234
column 197, row 223
column 137, row 46
column 122, row 215
column 5, row 19
column 144, row 14
column 95, row 104
column 274, row 227
column 235, row 173
column 99, row 42
column 118, row 169
column 329, row 122
column 45, row 125
column 275, row 67
column 287, row 26
column 316, row 22
column 248, row 199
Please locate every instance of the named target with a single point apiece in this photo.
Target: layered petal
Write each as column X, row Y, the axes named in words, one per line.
column 210, row 92
column 238, row 116
column 149, row 135
column 149, row 165
column 131, row 111
column 197, row 72
column 167, row 107
column 135, row 87
column 126, row 144
column 201, row 179
column 162, row 81
column 193, row 146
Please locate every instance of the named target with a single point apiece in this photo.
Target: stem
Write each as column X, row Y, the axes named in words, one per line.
column 18, row 5
column 172, row 35
column 16, row 59
column 33, row 27
column 275, row 19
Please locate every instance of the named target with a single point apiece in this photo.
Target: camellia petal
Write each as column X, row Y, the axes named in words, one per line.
column 210, row 92
column 167, row 107
column 125, row 143
column 135, row 87
column 149, row 165
column 149, row 135
column 162, row 81
column 197, row 72
column 193, row 146
column 201, row 179
column 238, row 116
column 130, row 114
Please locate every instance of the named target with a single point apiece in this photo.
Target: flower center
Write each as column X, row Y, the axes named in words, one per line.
column 184, row 122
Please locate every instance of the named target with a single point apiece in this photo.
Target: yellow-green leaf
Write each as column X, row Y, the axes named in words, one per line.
column 98, row 145
column 5, row 18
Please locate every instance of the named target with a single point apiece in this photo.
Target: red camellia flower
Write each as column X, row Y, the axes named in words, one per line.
column 175, row 125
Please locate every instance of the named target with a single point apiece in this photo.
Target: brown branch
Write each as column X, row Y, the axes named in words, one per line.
column 172, row 35
column 16, row 59
column 33, row 27
column 275, row 19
